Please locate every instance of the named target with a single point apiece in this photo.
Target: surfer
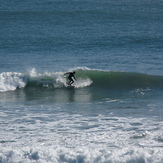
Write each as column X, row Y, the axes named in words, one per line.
column 70, row 77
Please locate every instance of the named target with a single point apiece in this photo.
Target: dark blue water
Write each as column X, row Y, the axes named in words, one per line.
column 56, row 35
column 115, row 110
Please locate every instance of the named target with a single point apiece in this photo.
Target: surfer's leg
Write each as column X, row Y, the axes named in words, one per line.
column 71, row 81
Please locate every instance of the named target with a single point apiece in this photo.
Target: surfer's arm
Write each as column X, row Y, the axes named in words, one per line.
column 66, row 73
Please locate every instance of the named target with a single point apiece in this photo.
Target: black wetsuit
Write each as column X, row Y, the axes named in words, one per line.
column 70, row 77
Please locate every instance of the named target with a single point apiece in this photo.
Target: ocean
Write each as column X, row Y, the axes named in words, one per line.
column 114, row 112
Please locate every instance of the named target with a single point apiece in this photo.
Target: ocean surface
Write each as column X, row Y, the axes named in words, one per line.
column 114, row 112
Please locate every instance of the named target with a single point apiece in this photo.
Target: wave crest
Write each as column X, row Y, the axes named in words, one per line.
column 9, row 81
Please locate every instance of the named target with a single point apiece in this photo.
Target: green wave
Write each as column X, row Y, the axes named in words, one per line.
column 121, row 80
column 99, row 79
column 96, row 79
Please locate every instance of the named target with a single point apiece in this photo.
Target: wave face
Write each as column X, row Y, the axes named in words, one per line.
column 10, row 81
column 121, row 80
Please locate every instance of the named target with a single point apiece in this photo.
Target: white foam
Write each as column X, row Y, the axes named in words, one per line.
column 57, row 154
column 9, row 81
column 33, row 72
column 49, row 134
column 82, row 83
column 60, row 81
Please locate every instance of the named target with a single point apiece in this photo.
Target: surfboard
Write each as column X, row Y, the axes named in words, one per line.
column 70, row 86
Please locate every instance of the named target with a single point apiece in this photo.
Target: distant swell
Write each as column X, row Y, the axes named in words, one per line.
column 10, row 81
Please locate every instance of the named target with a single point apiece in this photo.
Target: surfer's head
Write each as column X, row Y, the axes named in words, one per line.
column 74, row 72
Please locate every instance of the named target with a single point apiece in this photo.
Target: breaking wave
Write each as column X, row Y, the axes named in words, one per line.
column 10, row 81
